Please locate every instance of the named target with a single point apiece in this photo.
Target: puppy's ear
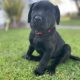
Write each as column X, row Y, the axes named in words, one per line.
column 57, row 15
column 30, row 11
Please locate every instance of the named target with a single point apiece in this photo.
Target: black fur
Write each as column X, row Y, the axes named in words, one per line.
column 45, row 39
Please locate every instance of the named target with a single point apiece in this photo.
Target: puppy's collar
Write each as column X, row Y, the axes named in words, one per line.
column 50, row 30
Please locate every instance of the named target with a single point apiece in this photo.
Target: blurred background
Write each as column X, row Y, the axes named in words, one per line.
column 13, row 13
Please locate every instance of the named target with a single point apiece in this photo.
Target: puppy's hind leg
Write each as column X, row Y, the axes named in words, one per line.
column 64, row 54
column 67, row 53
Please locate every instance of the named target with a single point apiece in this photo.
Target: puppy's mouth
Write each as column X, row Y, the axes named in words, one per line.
column 40, row 33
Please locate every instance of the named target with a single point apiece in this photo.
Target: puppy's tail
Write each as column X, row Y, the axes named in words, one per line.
column 74, row 58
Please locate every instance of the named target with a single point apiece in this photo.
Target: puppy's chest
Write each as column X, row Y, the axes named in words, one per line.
column 38, row 43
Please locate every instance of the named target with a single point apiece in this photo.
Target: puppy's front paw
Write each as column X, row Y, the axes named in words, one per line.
column 27, row 57
column 39, row 72
column 51, row 71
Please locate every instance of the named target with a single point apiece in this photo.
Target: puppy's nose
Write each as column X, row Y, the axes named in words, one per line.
column 38, row 19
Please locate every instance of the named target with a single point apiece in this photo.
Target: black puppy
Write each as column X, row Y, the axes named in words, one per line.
column 45, row 39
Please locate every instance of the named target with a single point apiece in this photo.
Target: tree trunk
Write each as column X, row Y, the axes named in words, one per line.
column 77, row 4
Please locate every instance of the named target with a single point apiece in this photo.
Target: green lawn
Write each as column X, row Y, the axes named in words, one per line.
column 72, row 22
column 14, row 44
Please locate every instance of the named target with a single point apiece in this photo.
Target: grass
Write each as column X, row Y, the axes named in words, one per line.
column 14, row 44
column 71, row 22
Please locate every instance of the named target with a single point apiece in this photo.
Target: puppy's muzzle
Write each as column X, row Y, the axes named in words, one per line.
column 37, row 19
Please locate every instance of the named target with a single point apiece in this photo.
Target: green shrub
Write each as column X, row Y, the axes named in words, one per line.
column 14, row 9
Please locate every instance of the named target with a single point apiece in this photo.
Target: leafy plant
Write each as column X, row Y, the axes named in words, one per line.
column 14, row 9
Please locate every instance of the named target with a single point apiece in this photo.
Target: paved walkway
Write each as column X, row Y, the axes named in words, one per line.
column 68, row 27
column 58, row 27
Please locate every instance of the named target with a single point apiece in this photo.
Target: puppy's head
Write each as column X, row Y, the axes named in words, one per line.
column 43, row 15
